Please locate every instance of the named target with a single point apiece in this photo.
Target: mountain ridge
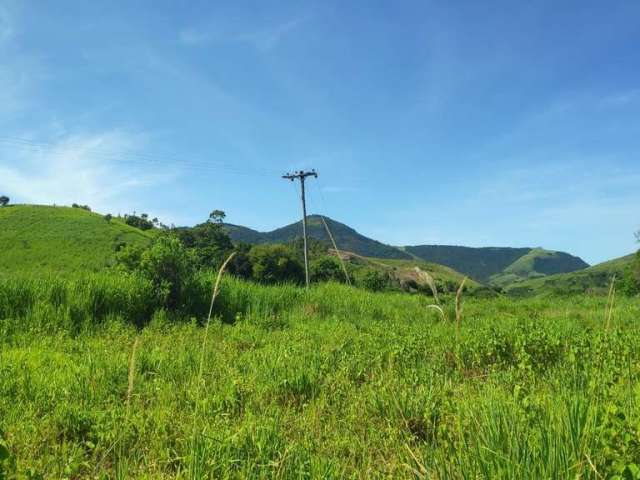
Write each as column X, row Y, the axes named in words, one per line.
column 490, row 265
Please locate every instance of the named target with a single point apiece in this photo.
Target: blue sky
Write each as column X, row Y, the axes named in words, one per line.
column 470, row 123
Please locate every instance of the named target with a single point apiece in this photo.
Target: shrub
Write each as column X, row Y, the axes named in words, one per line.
column 83, row 207
column 275, row 264
column 326, row 269
column 142, row 222
column 374, row 280
column 166, row 263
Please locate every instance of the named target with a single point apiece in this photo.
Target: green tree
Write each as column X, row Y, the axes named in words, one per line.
column 209, row 241
column 138, row 221
column 240, row 265
column 4, row 201
column 275, row 264
column 217, row 216
column 325, row 269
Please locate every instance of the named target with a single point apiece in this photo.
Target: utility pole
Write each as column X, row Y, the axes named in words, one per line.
column 302, row 175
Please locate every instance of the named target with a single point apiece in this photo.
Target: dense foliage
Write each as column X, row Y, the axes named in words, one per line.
column 275, row 264
column 209, row 241
column 333, row 382
column 142, row 222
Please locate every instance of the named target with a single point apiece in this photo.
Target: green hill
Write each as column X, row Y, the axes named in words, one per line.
column 346, row 237
column 594, row 279
column 478, row 263
column 537, row 263
column 38, row 239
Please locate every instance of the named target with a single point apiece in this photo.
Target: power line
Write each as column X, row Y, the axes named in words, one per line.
column 133, row 157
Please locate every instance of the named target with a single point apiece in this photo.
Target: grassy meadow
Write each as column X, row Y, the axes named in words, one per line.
column 334, row 382
column 37, row 239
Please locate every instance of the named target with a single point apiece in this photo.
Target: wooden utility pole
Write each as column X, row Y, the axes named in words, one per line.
column 302, row 175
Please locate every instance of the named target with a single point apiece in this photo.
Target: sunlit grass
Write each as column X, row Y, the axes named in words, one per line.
column 330, row 383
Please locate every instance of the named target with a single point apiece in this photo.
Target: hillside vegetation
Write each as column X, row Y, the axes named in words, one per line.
column 497, row 265
column 595, row 279
column 407, row 272
column 537, row 263
column 36, row 239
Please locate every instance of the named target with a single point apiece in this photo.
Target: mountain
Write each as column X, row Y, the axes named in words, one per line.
column 595, row 279
column 478, row 263
column 37, row 239
column 346, row 237
column 498, row 265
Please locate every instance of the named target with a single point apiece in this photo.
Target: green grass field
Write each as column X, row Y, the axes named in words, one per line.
column 330, row 383
column 37, row 239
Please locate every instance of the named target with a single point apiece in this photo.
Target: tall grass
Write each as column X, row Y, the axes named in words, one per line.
column 333, row 382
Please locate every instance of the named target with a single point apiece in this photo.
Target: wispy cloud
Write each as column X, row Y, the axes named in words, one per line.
column 263, row 39
column 267, row 39
column 82, row 168
column 621, row 99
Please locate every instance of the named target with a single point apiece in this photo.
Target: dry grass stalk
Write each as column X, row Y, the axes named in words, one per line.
column 458, row 302
column 428, row 279
column 608, row 312
column 216, row 290
column 132, row 370
column 439, row 309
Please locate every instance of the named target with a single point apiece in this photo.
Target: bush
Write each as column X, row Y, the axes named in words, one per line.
column 275, row 264
column 325, row 269
column 166, row 263
column 141, row 222
column 374, row 280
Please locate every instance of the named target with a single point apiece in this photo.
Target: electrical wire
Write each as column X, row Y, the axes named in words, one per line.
column 135, row 158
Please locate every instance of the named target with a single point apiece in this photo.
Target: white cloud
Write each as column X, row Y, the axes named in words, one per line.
column 94, row 169
column 263, row 39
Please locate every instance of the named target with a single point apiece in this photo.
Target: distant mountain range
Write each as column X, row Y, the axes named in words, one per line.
column 499, row 266
column 346, row 237
column 42, row 240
